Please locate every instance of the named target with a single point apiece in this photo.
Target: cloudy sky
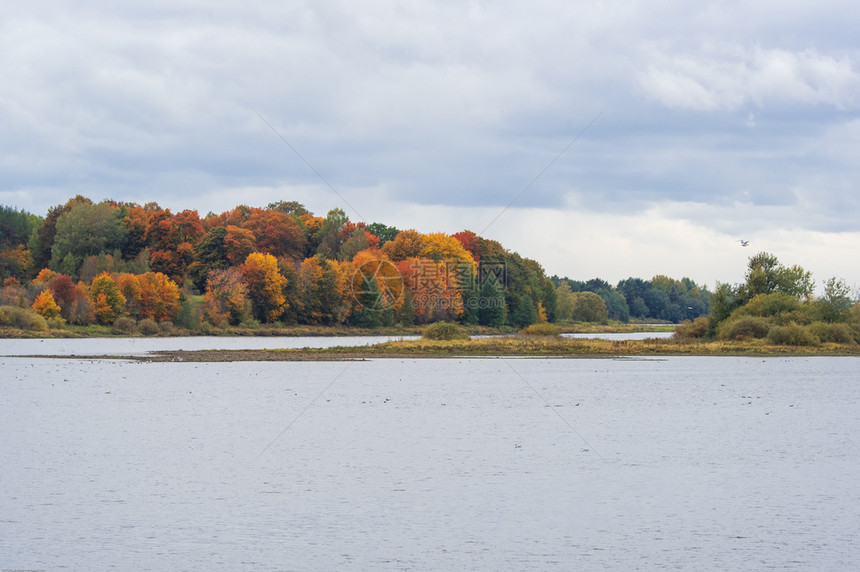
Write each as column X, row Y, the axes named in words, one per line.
column 638, row 138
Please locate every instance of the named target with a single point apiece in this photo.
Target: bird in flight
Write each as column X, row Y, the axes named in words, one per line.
column 743, row 242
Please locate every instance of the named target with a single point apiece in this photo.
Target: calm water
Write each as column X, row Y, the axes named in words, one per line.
column 134, row 346
column 488, row 464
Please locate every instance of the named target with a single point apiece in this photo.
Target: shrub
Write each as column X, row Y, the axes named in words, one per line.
column 542, row 329
column 22, row 319
column 834, row 333
column 800, row 317
column 147, row 327
column 124, row 325
column 444, row 331
column 166, row 326
column 791, row 335
column 770, row 304
column 743, row 328
column 688, row 330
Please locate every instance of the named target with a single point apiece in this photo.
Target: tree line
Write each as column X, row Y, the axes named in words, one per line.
column 86, row 262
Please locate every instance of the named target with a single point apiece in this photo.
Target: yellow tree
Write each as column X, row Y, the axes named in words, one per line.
column 442, row 247
column 129, row 286
column 108, row 302
column 265, row 286
column 407, row 244
column 159, row 297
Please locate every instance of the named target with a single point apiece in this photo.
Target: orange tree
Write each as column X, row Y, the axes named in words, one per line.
column 225, row 298
column 45, row 305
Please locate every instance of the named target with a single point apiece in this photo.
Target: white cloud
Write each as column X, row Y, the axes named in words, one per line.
column 734, row 77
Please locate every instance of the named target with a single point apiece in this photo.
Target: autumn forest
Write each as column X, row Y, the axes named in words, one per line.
column 142, row 267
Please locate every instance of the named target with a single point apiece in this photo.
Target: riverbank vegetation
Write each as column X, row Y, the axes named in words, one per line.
column 110, row 268
column 88, row 266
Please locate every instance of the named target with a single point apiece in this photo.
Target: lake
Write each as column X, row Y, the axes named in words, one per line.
column 481, row 464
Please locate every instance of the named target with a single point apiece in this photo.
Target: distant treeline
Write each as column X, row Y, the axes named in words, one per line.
column 659, row 299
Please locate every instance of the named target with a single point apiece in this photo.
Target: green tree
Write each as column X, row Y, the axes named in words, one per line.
column 836, row 300
column 766, row 275
column 492, row 308
column 293, row 208
column 589, row 307
column 16, row 227
column 564, row 301
column 86, row 230
column 42, row 239
column 385, row 233
column 329, row 234
column 724, row 300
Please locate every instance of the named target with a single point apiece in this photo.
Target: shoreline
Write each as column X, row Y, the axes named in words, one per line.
column 508, row 347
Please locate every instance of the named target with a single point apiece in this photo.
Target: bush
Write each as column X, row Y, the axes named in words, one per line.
column 688, row 330
column 166, row 326
column 542, row 329
column 124, row 325
column 833, row 333
column 444, row 331
column 743, row 328
column 147, row 327
column 770, row 305
column 791, row 335
column 800, row 317
column 22, row 319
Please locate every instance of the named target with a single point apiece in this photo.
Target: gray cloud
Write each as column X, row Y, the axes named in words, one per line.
column 435, row 103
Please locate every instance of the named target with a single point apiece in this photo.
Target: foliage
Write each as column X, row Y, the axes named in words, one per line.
column 329, row 235
column 492, row 311
column 129, row 286
column 689, row 330
column 743, row 328
column 45, row 305
column 15, row 261
column 444, row 331
column 435, row 293
column 124, row 325
column 160, row 297
column 22, row 319
column 84, row 230
column 588, row 307
column 16, row 226
column 383, row 232
column 791, row 335
column 542, row 329
column 276, row 232
column 407, row 244
column 833, row 333
column 265, row 286
column 766, row 275
column 108, row 302
column 836, row 300
column 226, row 298
column 148, row 327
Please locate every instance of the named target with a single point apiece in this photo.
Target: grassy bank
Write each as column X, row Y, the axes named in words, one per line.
column 509, row 346
column 170, row 330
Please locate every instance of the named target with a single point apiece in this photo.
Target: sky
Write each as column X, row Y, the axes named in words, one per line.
column 604, row 139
